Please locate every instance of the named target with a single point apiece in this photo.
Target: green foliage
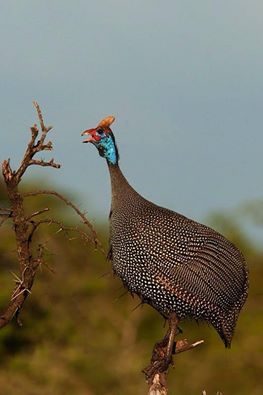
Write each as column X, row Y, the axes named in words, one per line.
column 81, row 337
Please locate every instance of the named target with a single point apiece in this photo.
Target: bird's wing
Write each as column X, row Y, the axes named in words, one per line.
column 198, row 259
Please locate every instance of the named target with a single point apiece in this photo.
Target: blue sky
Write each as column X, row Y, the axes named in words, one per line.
column 183, row 78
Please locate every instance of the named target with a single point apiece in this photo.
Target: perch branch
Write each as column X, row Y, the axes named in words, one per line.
column 156, row 371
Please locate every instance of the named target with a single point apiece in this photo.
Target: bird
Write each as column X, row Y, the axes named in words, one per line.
column 171, row 262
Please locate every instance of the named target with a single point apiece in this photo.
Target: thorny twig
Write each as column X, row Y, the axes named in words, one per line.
column 25, row 225
column 74, row 207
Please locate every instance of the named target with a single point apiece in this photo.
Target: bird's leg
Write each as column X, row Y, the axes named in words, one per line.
column 163, row 350
column 172, row 332
column 162, row 354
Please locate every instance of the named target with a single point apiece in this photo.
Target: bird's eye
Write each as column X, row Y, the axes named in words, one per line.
column 100, row 132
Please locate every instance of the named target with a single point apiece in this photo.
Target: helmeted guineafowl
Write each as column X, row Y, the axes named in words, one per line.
column 171, row 262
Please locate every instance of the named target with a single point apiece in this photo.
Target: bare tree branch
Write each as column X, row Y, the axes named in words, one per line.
column 44, row 210
column 28, row 264
column 24, row 226
column 74, row 207
column 33, row 148
column 43, row 163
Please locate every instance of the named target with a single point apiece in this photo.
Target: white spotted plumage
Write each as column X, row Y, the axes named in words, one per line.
column 173, row 263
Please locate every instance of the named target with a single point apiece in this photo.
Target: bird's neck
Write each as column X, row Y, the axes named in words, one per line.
column 108, row 149
column 121, row 190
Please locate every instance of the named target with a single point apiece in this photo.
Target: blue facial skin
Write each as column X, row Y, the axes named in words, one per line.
column 107, row 149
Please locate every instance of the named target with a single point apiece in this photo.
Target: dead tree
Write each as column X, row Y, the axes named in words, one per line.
column 25, row 225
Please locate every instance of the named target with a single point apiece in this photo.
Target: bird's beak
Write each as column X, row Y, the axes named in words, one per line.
column 89, row 133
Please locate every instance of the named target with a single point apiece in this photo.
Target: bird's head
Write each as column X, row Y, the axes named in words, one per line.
column 102, row 137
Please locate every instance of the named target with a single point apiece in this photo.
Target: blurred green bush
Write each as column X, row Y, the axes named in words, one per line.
column 82, row 336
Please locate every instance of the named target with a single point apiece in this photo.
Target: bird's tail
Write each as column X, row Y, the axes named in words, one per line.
column 226, row 326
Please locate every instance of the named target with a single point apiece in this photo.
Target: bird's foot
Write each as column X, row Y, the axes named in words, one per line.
column 159, row 361
column 163, row 350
